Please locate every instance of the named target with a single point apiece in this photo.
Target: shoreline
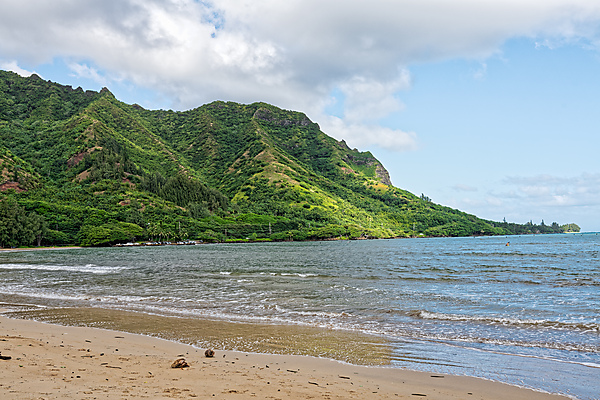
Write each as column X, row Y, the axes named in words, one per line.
column 40, row 248
column 246, row 241
column 150, row 243
column 62, row 362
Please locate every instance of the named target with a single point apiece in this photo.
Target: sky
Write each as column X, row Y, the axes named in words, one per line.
column 488, row 106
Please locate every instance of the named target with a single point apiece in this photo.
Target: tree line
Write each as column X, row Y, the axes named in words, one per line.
column 19, row 227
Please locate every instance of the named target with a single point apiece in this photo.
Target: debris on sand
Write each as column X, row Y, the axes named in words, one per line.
column 180, row 363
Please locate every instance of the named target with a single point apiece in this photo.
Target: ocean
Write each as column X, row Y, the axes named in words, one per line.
column 526, row 313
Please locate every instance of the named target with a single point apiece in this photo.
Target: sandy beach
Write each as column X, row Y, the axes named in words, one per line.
column 57, row 362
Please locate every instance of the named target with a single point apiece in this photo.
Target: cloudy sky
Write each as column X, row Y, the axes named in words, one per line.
column 489, row 106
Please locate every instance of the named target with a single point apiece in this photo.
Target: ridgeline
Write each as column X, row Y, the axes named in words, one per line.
column 81, row 167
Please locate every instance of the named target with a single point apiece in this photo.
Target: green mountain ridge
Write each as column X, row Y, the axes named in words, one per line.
column 99, row 171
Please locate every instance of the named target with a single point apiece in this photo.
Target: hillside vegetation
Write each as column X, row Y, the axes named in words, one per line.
column 81, row 167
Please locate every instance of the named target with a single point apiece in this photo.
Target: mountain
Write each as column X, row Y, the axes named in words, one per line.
column 15, row 173
column 99, row 171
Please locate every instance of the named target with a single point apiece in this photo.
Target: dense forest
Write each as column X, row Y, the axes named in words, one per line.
column 81, row 167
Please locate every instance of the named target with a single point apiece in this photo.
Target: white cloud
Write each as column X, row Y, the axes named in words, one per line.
column 464, row 188
column 292, row 53
column 494, row 201
column 481, row 72
column 85, row 71
column 552, row 191
column 13, row 66
column 367, row 135
column 369, row 99
column 548, row 197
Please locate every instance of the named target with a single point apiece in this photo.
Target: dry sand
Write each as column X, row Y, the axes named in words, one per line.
column 57, row 362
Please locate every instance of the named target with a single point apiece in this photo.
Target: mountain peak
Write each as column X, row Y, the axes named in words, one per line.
column 282, row 119
column 104, row 91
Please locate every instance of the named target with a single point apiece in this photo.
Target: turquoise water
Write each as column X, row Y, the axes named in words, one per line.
column 527, row 314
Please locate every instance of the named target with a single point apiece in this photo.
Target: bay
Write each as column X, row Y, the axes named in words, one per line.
column 522, row 310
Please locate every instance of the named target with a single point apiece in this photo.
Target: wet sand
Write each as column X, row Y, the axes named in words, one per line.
column 57, row 362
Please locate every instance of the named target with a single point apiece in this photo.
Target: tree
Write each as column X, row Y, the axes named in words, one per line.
column 39, row 227
column 9, row 210
column 17, row 227
column 570, row 228
column 110, row 233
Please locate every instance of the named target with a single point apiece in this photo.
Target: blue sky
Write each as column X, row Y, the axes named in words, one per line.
column 488, row 106
column 515, row 139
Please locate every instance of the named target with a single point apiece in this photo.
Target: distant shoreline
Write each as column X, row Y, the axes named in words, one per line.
column 40, row 248
column 236, row 241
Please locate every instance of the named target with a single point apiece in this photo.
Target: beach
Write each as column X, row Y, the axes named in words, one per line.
column 524, row 315
column 59, row 362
